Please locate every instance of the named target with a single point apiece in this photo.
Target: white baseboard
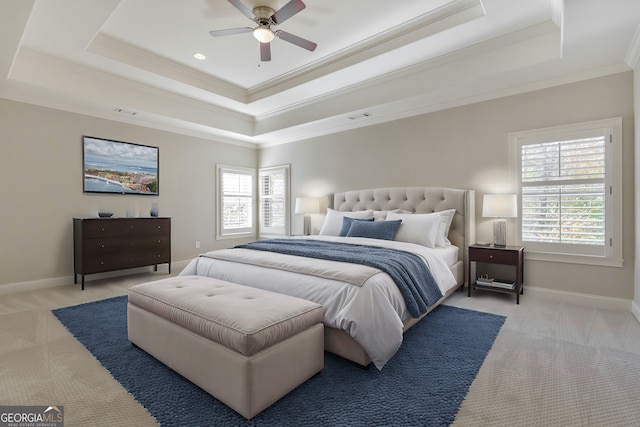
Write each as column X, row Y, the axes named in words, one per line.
column 14, row 288
column 34, row 285
column 635, row 310
column 589, row 300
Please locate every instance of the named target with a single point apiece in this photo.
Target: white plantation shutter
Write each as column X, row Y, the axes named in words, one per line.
column 274, row 200
column 235, row 201
column 563, row 191
column 566, row 177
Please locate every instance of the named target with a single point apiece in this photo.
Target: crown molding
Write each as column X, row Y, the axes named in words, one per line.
column 440, row 19
column 429, row 104
column 633, row 53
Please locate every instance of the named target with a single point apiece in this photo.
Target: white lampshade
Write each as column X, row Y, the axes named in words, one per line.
column 500, row 206
column 263, row 34
column 307, row 205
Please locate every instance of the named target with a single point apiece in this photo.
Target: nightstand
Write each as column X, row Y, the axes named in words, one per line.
column 508, row 255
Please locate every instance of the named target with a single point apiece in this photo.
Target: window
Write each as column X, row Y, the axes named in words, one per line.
column 235, row 202
column 273, row 200
column 569, row 183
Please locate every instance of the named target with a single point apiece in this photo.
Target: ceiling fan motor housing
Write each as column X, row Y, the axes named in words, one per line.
column 263, row 14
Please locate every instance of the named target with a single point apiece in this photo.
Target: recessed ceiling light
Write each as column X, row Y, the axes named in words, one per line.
column 199, row 56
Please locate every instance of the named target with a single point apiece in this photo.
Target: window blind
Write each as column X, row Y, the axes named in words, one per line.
column 272, row 199
column 236, row 200
column 274, row 195
column 563, row 191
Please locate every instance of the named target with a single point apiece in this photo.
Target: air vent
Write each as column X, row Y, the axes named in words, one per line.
column 127, row 112
column 360, row 116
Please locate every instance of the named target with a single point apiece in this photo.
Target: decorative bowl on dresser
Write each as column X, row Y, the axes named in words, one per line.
column 108, row 244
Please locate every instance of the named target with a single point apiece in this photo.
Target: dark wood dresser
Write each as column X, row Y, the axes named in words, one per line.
column 108, row 244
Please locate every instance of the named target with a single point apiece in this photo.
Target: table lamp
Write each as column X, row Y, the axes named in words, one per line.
column 307, row 206
column 500, row 206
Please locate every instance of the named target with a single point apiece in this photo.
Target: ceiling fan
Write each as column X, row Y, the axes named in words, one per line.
column 266, row 18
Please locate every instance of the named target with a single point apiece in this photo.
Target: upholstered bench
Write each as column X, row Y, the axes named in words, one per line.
column 246, row 347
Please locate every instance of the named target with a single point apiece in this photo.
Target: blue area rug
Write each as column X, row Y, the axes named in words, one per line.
column 423, row 384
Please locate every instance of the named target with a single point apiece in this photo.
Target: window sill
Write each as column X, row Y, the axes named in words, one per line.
column 573, row 259
column 235, row 236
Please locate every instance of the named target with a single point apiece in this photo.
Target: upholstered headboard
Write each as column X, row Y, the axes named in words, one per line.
column 419, row 200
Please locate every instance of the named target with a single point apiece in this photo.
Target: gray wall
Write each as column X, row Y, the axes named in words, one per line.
column 41, row 188
column 467, row 147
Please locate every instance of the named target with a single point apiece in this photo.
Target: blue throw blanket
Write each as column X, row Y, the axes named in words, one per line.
column 408, row 271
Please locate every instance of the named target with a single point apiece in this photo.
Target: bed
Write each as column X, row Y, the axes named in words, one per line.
column 365, row 314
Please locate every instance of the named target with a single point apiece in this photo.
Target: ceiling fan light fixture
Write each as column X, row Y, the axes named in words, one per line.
column 263, row 34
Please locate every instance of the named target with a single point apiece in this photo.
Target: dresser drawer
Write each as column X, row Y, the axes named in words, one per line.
column 125, row 227
column 117, row 261
column 108, row 245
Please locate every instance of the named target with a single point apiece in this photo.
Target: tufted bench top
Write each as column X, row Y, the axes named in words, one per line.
column 241, row 318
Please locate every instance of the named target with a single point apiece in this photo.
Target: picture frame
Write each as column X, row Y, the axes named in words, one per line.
column 119, row 167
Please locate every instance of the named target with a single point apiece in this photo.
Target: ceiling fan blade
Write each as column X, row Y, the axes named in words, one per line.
column 298, row 41
column 265, row 51
column 287, row 11
column 230, row 31
column 242, row 8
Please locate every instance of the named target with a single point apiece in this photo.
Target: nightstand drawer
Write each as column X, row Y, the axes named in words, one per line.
column 493, row 256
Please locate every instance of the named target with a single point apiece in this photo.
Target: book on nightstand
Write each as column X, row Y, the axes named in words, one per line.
column 484, row 281
column 504, row 285
column 495, row 283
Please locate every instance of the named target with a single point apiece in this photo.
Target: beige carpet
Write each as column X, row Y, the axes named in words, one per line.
column 42, row 364
column 553, row 364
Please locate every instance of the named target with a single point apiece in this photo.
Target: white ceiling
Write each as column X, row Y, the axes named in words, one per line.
column 376, row 60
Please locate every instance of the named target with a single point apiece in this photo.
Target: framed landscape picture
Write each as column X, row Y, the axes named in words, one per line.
column 119, row 167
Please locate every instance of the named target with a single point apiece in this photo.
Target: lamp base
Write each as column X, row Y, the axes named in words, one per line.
column 500, row 233
column 306, row 227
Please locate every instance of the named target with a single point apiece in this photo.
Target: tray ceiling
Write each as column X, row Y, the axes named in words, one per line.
column 133, row 60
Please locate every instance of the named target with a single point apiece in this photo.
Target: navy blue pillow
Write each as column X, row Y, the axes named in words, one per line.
column 346, row 224
column 384, row 230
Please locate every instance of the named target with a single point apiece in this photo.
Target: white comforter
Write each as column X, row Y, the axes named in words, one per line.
column 372, row 313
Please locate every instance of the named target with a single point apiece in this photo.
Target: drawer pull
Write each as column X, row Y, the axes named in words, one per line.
column 490, row 256
column 102, row 246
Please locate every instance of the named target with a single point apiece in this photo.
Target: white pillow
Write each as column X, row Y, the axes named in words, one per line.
column 446, row 217
column 382, row 215
column 421, row 229
column 333, row 221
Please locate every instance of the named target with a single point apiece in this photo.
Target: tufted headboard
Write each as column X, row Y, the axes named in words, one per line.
column 419, row 200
